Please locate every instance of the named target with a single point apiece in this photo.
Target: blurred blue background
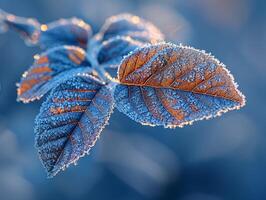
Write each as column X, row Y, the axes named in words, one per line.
column 219, row 159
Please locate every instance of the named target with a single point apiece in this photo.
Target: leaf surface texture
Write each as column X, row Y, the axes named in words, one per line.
column 170, row 85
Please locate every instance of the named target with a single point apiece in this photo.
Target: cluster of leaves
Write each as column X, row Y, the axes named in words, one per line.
column 157, row 83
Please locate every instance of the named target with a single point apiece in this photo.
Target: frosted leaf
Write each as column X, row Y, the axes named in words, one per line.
column 71, row 120
column 49, row 69
column 172, row 85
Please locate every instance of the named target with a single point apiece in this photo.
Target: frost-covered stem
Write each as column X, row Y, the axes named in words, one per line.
column 91, row 55
column 95, row 65
column 101, row 72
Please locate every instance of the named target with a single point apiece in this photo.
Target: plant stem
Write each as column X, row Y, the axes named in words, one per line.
column 91, row 55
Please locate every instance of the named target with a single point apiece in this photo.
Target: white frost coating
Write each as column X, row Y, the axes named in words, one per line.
column 197, row 54
column 176, row 47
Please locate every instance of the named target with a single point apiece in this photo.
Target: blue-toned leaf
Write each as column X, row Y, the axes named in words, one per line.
column 130, row 25
column 71, row 120
column 49, row 69
column 28, row 28
column 119, row 35
column 71, row 31
column 172, row 85
column 112, row 51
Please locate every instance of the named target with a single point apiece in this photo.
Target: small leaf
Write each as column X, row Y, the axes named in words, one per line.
column 71, row 120
column 112, row 51
column 120, row 35
column 172, row 85
column 72, row 31
column 130, row 25
column 49, row 69
column 28, row 28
